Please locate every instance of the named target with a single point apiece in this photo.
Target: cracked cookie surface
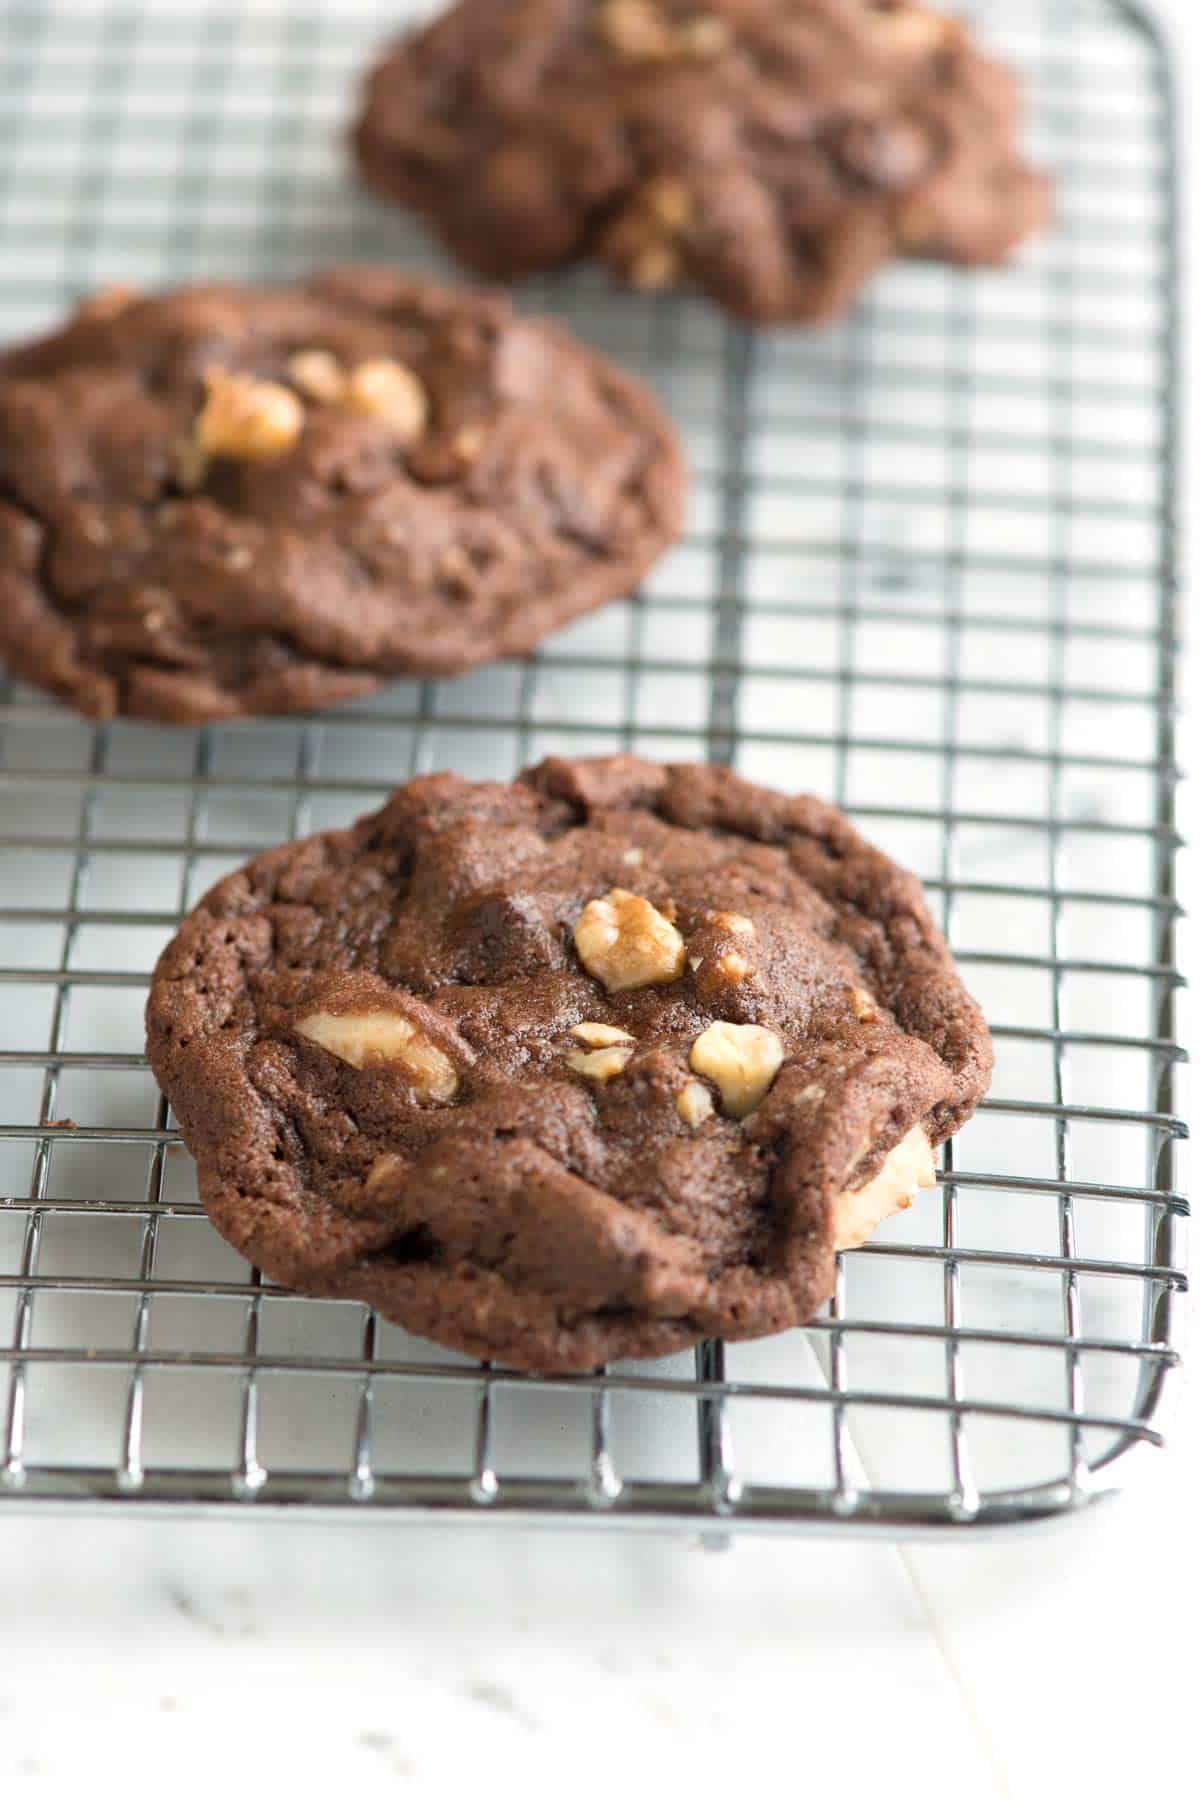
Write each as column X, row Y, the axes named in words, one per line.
column 773, row 153
column 592, row 1064
column 226, row 500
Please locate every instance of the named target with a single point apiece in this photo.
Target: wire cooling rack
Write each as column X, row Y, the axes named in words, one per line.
column 929, row 571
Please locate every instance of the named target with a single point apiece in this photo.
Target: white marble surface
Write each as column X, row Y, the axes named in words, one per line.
column 181, row 1655
column 430, row 1660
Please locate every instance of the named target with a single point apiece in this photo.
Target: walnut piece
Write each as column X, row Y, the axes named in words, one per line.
column 636, row 30
column 388, row 1039
column 656, row 268
column 600, row 1065
column 250, row 420
column 733, row 966
column 599, row 1037
column 389, row 392
column 667, row 202
column 915, row 28
column 626, row 943
column 644, row 242
column 743, row 1060
column 736, row 923
column 703, row 36
column 466, row 444
column 318, row 374
column 694, row 1104
column 639, row 32
column 909, row 1167
column 382, row 1171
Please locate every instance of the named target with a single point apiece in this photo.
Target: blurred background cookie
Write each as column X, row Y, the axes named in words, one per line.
column 231, row 500
column 771, row 154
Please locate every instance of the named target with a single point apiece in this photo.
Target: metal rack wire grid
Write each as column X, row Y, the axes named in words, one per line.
column 928, row 572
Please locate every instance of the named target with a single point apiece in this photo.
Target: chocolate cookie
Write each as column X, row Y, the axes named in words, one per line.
column 230, row 500
column 772, row 152
column 592, row 1064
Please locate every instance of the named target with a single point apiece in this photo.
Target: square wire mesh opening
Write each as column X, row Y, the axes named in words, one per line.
column 927, row 572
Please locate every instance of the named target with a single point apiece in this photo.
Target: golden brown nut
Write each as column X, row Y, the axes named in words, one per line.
column 743, row 1060
column 636, row 30
column 383, row 1170
column 704, row 35
column 657, row 267
column 390, row 392
column 318, row 374
column 733, row 966
column 916, row 29
column 737, row 923
column 694, row 1104
column 626, row 943
column 370, row 1039
column 600, row 1065
column 246, row 419
column 909, row 1168
column 599, row 1037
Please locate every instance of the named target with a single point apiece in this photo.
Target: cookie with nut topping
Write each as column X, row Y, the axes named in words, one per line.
column 591, row 1064
column 226, row 500
column 773, row 153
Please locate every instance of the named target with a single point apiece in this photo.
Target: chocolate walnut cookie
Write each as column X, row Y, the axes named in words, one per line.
column 589, row 1065
column 229, row 500
column 772, row 152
